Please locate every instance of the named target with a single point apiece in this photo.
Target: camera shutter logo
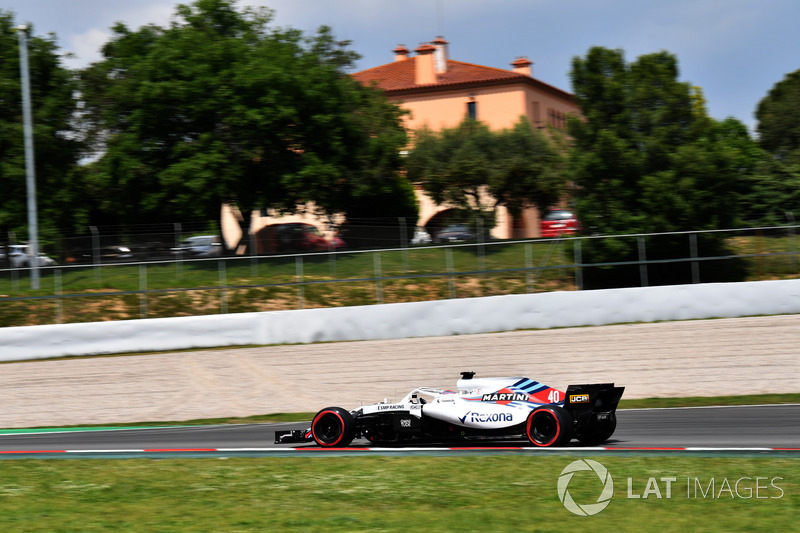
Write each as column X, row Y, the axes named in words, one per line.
column 605, row 496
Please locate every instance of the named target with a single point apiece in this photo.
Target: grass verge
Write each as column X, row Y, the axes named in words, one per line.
column 491, row 493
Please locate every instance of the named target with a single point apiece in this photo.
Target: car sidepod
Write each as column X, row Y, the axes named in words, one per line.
column 387, row 423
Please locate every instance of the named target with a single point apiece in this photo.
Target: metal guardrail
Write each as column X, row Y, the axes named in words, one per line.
column 576, row 266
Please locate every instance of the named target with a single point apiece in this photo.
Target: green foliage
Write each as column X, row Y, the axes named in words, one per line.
column 220, row 107
column 518, row 167
column 778, row 116
column 647, row 158
column 773, row 192
column 56, row 147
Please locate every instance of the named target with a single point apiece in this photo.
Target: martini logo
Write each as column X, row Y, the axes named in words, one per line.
column 566, row 477
column 505, row 396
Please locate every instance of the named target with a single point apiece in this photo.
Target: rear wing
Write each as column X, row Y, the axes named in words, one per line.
column 583, row 400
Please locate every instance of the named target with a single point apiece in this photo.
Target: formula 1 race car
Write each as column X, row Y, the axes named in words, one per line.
column 483, row 408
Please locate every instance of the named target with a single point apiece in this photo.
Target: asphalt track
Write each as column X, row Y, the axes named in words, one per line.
column 754, row 429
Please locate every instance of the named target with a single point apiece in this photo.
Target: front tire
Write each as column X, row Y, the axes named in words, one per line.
column 550, row 425
column 333, row 427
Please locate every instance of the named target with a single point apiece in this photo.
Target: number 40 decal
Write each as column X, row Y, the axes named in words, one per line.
column 554, row 396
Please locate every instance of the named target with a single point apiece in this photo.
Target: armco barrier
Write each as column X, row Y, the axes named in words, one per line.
column 402, row 320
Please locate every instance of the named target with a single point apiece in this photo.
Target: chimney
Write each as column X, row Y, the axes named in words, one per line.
column 400, row 53
column 425, row 71
column 440, row 57
column 522, row 65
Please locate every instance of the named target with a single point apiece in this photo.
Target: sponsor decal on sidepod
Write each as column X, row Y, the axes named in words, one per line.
column 485, row 417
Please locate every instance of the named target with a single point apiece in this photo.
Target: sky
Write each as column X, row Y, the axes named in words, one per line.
column 734, row 50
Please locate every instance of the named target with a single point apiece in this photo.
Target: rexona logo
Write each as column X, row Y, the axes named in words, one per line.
column 485, row 417
column 578, row 398
column 585, row 465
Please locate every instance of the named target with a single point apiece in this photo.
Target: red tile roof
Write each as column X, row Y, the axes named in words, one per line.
column 399, row 76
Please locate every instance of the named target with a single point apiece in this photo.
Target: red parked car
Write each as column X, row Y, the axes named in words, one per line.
column 559, row 222
column 295, row 237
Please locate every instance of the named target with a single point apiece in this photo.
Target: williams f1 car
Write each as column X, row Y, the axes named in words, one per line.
column 480, row 408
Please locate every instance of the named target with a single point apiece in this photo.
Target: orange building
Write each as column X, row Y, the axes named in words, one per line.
column 440, row 92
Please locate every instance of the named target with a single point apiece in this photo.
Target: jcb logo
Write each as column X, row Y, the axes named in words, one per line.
column 578, row 398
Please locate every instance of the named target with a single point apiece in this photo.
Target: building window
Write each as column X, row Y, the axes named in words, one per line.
column 472, row 110
column 556, row 118
column 537, row 118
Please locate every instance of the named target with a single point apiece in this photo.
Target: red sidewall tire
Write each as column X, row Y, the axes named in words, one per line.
column 333, row 427
column 549, row 426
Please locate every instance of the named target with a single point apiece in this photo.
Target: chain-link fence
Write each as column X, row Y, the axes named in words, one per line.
column 177, row 283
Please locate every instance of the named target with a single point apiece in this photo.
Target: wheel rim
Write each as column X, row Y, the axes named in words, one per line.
column 543, row 427
column 328, row 428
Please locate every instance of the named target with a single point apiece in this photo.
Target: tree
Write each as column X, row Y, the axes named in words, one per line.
column 648, row 159
column 773, row 192
column 218, row 107
column 528, row 169
column 778, row 116
column 57, row 150
column 478, row 170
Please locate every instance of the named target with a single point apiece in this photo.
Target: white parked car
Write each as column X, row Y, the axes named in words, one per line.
column 200, row 246
column 420, row 237
column 19, row 256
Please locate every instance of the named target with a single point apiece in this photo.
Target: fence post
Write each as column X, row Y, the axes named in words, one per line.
column 253, row 255
column 332, row 260
column 98, row 270
column 642, row 261
column 223, row 282
column 577, row 254
column 178, row 239
column 481, row 248
column 694, row 254
column 376, row 262
column 403, row 242
column 792, row 248
column 451, row 283
column 58, row 291
column 298, row 261
column 529, row 267
column 143, row 290
column 12, row 239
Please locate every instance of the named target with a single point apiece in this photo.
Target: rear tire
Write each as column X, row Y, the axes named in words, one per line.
column 599, row 431
column 333, row 427
column 550, row 425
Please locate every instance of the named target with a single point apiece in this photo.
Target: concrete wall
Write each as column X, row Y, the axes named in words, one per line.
column 404, row 320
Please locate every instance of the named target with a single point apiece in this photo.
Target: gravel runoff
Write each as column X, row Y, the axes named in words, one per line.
column 690, row 358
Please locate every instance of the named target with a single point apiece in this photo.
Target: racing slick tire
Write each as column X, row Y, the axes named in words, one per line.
column 599, row 431
column 333, row 427
column 550, row 425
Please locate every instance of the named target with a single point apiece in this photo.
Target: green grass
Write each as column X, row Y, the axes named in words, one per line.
column 704, row 401
column 475, row 493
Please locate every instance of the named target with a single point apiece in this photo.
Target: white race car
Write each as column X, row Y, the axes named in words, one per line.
column 483, row 408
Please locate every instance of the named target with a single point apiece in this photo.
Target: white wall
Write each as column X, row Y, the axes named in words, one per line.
column 416, row 319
